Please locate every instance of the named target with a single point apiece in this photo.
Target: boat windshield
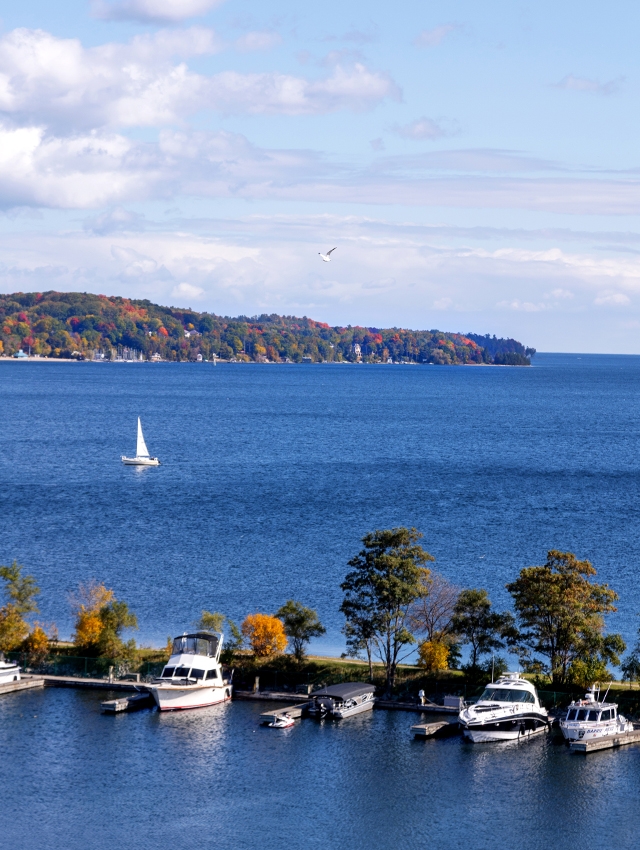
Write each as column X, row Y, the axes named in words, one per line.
column 492, row 694
column 195, row 645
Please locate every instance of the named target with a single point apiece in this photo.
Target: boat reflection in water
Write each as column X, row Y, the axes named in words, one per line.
column 508, row 710
column 193, row 676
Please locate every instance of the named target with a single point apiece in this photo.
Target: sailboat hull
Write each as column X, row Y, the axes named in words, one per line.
column 141, row 461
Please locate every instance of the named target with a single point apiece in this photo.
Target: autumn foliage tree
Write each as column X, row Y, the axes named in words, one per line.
column 265, row 634
column 100, row 621
column 433, row 655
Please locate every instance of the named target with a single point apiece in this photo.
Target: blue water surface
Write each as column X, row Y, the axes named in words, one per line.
column 272, row 473
column 75, row 779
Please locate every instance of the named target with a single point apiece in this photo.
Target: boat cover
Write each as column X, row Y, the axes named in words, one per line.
column 345, row 691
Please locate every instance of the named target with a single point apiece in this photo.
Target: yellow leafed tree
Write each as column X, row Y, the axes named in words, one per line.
column 265, row 634
column 85, row 605
column 433, row 655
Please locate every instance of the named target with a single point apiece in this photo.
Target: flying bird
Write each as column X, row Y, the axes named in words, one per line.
column 327, row 257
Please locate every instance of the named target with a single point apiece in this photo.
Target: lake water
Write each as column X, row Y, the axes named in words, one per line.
column 272, row 474
column 74, row 779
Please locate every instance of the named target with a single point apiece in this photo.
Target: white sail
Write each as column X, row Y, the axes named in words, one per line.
column 142, row 450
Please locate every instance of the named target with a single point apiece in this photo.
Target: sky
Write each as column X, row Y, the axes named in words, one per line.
column 476, row 166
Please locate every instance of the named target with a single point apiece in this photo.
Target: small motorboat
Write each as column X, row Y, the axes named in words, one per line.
column 281, row 721
column 589, row 719
column 508, row 710
column 9, row 672
column 142, row 458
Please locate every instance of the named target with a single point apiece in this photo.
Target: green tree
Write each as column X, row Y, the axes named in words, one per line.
column 480, row 627
column 116, row 618
column 561, row 614
column 215, row 623
column 20, row 592
column 387, row 576
column 300, row 625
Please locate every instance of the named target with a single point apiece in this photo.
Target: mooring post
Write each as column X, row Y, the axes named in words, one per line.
column 110, row 675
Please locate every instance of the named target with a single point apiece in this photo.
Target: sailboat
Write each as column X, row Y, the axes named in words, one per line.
column 142, row 457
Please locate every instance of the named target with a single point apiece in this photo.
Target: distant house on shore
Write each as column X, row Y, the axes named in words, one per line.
column 21, row 355
column 357, row 351
column 156, row 357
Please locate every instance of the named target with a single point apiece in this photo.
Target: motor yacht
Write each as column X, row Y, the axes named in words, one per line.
column 589, row 719
column 342, row 700
column 9, row 672
column 193, row 676
column 507, row 710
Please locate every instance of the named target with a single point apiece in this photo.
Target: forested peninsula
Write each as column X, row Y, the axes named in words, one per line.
column 72, row 324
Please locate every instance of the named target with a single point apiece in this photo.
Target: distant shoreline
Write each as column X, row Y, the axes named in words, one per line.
column 11, row 359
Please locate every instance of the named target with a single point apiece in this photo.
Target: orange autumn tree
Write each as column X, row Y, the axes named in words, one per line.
column 433, row 656
column 265, row 634
column 86, row 605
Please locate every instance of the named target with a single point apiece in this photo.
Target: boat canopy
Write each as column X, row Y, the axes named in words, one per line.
column 345, row 691
column 199, row 643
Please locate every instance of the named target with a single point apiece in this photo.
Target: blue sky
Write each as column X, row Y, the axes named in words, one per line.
column 475, row 164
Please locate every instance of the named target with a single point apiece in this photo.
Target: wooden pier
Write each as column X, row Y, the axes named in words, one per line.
column 275, row 696
column 93, row 684
column 439, row 729
column 606, row 743
column 431, row 708
column 22, row 685
column 296, row 711
column 143, row 699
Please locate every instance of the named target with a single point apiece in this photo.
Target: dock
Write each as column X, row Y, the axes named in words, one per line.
column 295, row 711
column 439, row 729
column 22, row 685
column 275, row 696
column 430, row 708
column 606, row 743
column 144, row 699
column 93, row 684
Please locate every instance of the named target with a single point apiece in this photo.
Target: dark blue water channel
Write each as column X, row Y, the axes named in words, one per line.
column 271, row 475
column 74, row 779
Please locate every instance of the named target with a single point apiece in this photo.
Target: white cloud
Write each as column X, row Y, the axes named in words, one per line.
column 523, row 306
column 434, row 37
column 422, row 128
column 187, row 290
column 171, row 11
column 252, row 41
column 46, row 79
column 614, row 299
column 584, row 84
column 561, row 293
column 442, row 304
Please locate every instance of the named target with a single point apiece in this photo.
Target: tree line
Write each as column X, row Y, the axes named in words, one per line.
column 57, row 324
column 394, row 605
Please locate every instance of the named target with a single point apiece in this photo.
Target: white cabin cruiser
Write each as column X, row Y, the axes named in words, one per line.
column 342, row 700
column 589, row 719
column 9, row 672
column 193, row 676
column 507, row 710
column 142, row 457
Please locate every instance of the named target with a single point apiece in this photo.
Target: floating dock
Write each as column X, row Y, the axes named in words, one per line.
column 133, row 703
column 606, row 743
column 295, row 711
column 440, row 729
column 22, row 685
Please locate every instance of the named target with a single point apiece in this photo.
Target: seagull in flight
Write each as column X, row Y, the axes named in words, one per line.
column 327, row 257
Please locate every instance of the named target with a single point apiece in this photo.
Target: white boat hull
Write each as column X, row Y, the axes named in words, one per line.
column 175, row 697
column 141, row 461
column 487, row 736
column 355, row 709
column 9, row 673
